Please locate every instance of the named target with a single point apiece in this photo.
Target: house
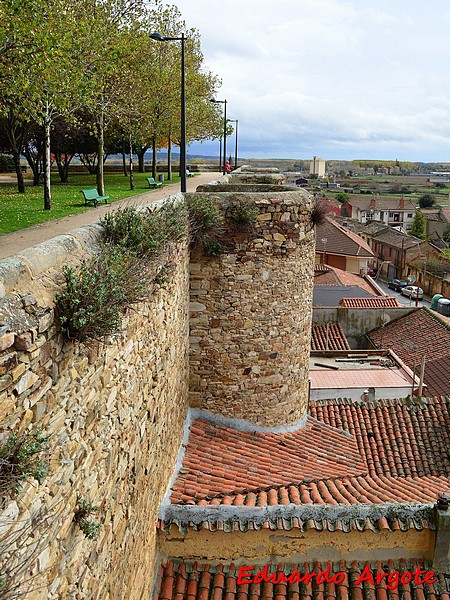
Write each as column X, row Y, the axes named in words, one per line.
column 351, row 492
column 339, row 247
column 296, row 179
column 331, row 205
column 420, row 335
column 366, row 375
column 390, row 210
column 391, row 249
column 437, row 222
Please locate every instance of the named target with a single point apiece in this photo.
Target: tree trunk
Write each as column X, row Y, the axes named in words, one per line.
column 101, row 152
column 34, row 164
column 15, row 132
column 131, row 166
column 141, row 158
column 47, row 185
column 169, row 159
column 20, row 181
column 154, row 158
column 63, row 161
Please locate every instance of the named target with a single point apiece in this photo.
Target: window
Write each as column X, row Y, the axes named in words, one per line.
column 409, row 215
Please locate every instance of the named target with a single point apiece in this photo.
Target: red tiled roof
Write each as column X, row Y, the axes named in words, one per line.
column 378, row 302
column 332, row 332
column 395, row 437
column 420, row 334
column 402, row 457
column 191, row 580
column 220, row 459
column 362, row 489
column 335, row 276
column 340, row 240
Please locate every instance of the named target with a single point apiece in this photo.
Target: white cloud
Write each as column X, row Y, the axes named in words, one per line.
column 337, row 78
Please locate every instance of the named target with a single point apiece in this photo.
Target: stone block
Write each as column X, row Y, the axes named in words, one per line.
column 23, row 341
column 6, row 341
column 5, row 382
column 46, row 321
column 26, row 381
column 8, row 362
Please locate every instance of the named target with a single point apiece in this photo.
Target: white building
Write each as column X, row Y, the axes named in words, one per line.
column 317, row 167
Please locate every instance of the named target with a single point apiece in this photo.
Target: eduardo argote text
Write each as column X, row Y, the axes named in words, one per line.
column 392, row 579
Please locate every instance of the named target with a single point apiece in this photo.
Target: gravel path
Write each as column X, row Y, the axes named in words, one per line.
column 12, row 243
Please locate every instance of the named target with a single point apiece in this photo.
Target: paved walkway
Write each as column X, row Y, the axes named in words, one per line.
column 12, row 243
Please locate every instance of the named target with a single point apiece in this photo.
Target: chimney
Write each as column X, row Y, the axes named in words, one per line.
column 401, row 202
column 372, row 203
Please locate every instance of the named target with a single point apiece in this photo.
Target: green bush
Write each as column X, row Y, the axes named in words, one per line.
column 145, row 232
column 244, row 213
column 6, row 163
column 97, row 292
column 131, row 261
column 84, row 510
column 205, row 220
column 20, row 459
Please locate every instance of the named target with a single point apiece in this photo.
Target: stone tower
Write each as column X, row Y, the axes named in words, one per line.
column 251, row 306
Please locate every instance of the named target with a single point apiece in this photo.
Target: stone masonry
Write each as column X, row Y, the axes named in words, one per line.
column 250, row 312
column 114, row 411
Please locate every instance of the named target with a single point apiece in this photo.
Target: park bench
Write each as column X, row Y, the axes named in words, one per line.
column 153, row 184
column 91, row 196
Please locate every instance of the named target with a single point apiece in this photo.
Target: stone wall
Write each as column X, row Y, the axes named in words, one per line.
column 114, row 412
column 251, row 309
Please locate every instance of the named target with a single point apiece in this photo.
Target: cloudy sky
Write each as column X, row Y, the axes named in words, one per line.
column 340, row 79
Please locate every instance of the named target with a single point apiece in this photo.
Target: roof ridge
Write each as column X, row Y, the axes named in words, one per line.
column 423, row 401
column 437, row 317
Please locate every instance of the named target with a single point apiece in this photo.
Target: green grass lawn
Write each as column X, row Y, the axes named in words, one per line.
column 18, row 211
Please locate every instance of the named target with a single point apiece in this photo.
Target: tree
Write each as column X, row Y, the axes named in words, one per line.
column 427, row 200
column 342, row 197
column 44, row 74
column 418, row 226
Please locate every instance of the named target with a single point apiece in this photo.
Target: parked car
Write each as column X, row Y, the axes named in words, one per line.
column 372, row 271
column 412, row 291
column 397, row 284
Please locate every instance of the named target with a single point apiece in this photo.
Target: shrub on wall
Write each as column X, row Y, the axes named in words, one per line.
column 145, row 232
column 20, row 459
column 205, row 221
column 131, row 263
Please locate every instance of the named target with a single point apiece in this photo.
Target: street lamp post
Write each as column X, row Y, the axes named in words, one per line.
column 162, row 38
column 224, row 102
column 236, row 141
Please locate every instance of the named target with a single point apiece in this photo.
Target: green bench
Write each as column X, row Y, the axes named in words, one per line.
column 153, row 184
column 91, row 196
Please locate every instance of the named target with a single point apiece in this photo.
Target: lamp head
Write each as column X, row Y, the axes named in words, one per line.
column 157, row 36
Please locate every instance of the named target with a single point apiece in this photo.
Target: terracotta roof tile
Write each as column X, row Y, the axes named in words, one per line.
column 352, row 586
column 420, row 334
column 335, row 276
column 329, row 336
column 397, row 452
column 396, row 438
column 220, row 460
column 378, row 302
column 340, row 240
